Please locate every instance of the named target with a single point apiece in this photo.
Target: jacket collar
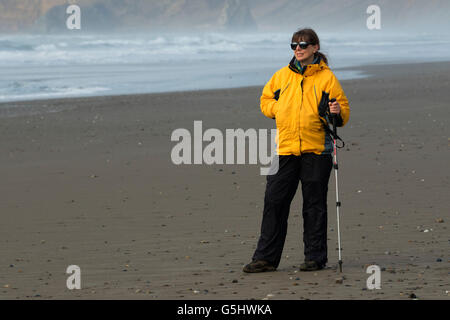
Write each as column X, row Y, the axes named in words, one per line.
column 310, row 69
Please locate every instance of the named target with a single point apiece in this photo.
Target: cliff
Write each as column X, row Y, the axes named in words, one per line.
column 111, row 15
column 192, row 15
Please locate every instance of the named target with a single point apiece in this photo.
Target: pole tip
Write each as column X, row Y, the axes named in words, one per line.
column 340, row 266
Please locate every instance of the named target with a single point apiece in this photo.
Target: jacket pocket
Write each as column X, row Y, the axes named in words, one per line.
column 279, row 92
column 282, row 91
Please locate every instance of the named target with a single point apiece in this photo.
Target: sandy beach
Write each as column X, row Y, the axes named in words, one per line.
column 90, row 182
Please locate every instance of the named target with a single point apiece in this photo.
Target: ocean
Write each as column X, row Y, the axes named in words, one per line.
column 77, row 65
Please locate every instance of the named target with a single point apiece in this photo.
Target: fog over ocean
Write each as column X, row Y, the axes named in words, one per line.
column 74, row 65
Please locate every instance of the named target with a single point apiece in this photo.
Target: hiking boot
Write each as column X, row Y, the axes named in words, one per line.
column 311, row 266
column 258, row 266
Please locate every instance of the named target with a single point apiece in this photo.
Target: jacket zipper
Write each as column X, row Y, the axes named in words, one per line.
column 301, row 105
column 317, row 101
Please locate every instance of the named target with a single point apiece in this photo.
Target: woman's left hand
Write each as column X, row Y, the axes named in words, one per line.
column 335, row 107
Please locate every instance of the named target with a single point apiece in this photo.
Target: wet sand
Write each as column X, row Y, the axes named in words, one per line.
column 90, row 182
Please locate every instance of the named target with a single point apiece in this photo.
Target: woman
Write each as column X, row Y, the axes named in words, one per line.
column 292, row 97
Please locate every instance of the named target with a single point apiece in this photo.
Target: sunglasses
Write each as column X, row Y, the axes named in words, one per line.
column 302, row 45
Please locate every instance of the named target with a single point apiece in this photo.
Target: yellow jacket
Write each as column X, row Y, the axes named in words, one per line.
column 299, row 129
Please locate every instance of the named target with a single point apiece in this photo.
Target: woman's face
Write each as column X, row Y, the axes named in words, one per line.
column 305, row 55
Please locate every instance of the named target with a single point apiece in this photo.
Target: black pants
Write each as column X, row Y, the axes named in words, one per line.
column 314, row 173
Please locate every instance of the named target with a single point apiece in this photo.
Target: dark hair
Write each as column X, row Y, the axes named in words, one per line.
column 309, row 35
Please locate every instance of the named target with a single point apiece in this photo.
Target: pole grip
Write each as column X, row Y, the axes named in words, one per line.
column 333, row 116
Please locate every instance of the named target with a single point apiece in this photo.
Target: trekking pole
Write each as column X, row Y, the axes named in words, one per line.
column 338, row 203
